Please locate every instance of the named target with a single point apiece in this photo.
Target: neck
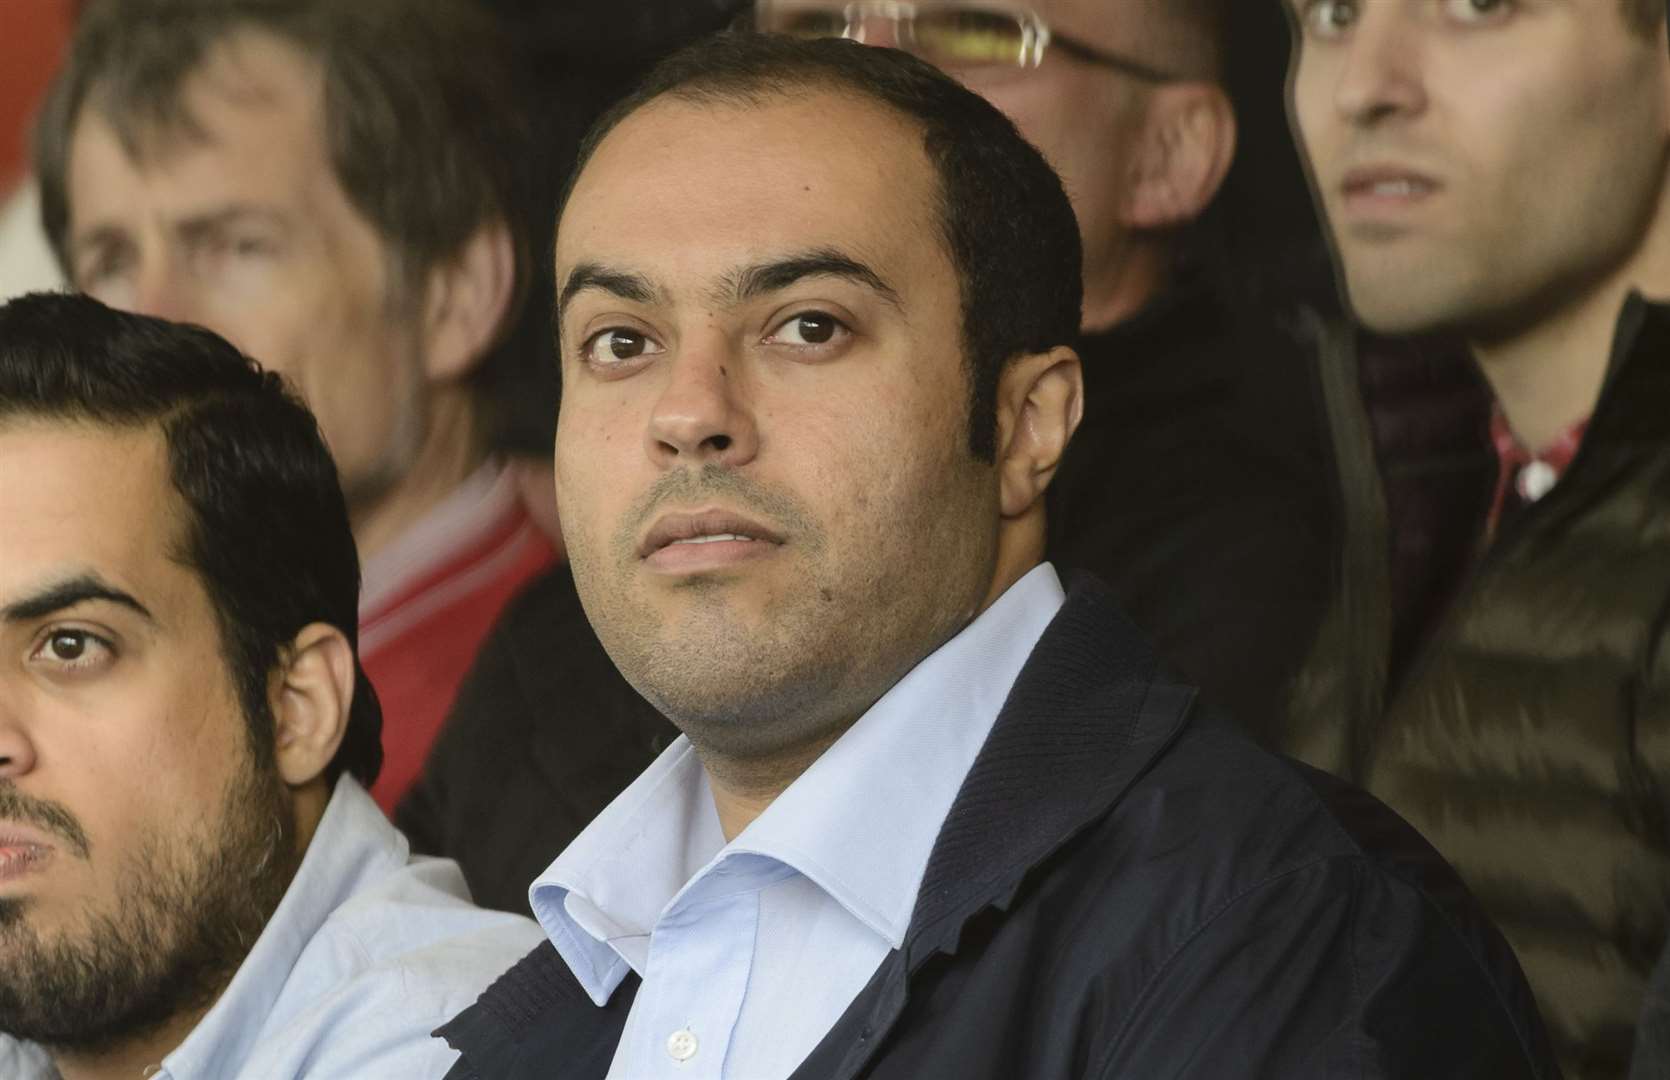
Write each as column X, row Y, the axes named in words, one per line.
column 1548, row 376
column 743, row 790
column 452, row 449
column 1119, row 286
column 136, row 1058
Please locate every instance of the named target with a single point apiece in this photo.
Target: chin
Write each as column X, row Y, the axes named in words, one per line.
column 1388, row 306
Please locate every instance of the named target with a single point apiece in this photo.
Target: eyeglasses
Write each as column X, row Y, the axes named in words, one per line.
column 953, row 35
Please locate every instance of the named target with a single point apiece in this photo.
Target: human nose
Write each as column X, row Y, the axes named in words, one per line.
column 17, row 750
column 1381, row 77
column 165, row 293
column 701, row 416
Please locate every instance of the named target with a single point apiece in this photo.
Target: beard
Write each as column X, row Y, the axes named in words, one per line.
column 791, row 675
column 167, row 941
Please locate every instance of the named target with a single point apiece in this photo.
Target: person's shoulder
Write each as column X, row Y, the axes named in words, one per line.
column 1226, row 853
column 396, row 960
column 417, row 920
column 1276, row 812
column 1231, row 816
column 24, row 1061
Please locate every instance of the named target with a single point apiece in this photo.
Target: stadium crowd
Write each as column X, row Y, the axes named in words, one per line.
column 751, row 539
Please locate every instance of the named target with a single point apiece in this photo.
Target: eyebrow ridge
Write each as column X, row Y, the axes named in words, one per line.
column 67, row 594
column 769, row 277
column 590, row 275
column 105, row 232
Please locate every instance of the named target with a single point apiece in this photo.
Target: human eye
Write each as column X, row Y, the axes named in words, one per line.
column 808, row 329
column 1327, row 20
column 220, row 245
column 251, row 245
column 616, row 346
column 103, row 270
column 1477, row 11
column 73, row 650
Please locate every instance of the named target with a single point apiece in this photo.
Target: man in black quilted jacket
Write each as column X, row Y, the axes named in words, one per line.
column 1499, row 173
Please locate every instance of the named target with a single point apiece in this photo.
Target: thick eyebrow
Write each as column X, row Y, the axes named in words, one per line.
column 778, row 274
column 621, row 283
column 63, row 595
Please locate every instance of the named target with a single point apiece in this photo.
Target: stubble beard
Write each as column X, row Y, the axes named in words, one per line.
column 820, row 653
column 185, row 916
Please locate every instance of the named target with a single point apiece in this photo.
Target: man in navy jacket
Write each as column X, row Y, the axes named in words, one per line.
column 932, row 813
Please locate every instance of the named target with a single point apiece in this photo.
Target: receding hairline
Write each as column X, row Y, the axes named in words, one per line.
column 748, row 95
column 236, row 67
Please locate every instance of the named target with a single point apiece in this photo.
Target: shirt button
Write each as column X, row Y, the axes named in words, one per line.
column 681, row 1045
column 1537, row 479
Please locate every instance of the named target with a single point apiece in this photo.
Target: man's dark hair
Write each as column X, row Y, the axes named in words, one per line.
column 1645, row 15
column 266, row 529
column 422, row 118
column 1004, row 217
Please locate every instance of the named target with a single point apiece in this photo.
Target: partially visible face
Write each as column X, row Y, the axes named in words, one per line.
column 1085, row 118
column 762, row 454
column 246, row 231
column 141, row 852
column 1480, row 159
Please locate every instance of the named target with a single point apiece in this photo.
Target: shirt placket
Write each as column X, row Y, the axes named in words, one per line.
column 700, row 957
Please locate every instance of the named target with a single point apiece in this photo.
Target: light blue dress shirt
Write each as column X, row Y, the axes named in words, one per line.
column 750, row 951
column 370, row 950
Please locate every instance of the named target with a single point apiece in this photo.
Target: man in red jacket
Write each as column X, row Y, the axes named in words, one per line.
column 335, row 187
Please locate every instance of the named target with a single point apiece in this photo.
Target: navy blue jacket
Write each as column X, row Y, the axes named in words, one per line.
column 1128, row 887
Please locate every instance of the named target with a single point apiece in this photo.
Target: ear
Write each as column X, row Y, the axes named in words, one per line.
column 1182, row 155
column 465, row 301
column 310, row 699
column 1040, row 401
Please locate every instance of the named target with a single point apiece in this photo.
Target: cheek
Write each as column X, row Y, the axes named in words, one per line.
column 597, row 464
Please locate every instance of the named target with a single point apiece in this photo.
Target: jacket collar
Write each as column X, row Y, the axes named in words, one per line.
column 1091, row 711
column 1631, row 409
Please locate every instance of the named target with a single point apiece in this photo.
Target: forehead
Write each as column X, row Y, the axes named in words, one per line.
column 699, row 186
column 78, row 498
column 1086, row 14
column 248, row 123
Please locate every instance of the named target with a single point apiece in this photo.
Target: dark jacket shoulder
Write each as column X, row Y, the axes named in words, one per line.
column 1126, row 886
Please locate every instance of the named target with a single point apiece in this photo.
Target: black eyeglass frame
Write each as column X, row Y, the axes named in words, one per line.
column 1037, row 36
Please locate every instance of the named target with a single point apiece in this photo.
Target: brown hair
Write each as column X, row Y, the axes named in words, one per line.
column 1644, row 15
column 422, row 119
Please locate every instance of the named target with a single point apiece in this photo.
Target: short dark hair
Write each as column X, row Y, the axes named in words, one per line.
column 1645, row 15
column 1004, row 217
column 267, row 528
column 422, row 118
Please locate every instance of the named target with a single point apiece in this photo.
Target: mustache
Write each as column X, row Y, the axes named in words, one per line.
column 695, row 485
column 43, row 814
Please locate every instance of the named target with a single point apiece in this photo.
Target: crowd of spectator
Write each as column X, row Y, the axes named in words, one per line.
column 766, row 538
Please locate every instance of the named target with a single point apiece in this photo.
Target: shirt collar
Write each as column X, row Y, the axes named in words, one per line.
column 470, row 511
column 354, row 841
column 1528, row 476
column 861, row 822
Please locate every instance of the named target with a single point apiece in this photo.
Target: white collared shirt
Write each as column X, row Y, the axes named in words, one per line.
column 370, row 950
column 750, row 951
